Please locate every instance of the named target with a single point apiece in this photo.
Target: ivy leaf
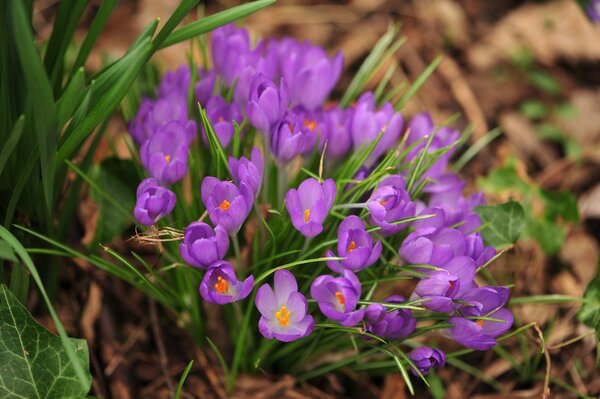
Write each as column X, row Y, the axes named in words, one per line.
column 33, row 361
column 502, row 224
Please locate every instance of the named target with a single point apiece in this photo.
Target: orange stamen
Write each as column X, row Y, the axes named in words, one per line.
column 220, row 119
column 383, row 202
column 351, row 247
column 306, row 215
column 225, row 205
column 291, row 127
column 222, row 286
column 340, row 297
column 312, row 125
column 283, row 316
column 479, row 323
column 168, row 158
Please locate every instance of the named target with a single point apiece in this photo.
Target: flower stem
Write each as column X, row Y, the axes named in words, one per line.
column 350, row 206
column 236, row 249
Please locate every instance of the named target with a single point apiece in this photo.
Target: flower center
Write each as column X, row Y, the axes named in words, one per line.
column 432, row 360
column 312, row 125
column 291, row 127
column 222, row 286
column 283, row 316
column 384, row 128
column 168, row 158
column 480, row 322
column 221, row 119
column 306, row 215
column 340, row 297
column 383, row 202
column 225, row 205
column 351, row 247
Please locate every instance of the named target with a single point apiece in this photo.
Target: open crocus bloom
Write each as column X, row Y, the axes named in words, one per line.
column 337, row 297
column 389, row 203
column 220, row 285
column 393, row 325
column 310, row 204
column 226, row 204
column 283, row 309
column 355, row 246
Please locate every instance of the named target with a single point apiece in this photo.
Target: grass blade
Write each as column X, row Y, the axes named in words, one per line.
column 11, row 143
column 182, row 379
column 182, row 10
column 418, row 83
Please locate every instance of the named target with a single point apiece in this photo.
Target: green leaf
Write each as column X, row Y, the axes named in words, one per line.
column 419, row 82
column 560, row 205
column 6, row 252
column 12, row 141
column 548, row 234
column 209, row 23
column 33, row 361
column 502, row 224
column 71, row 98
column 544, row 81
column 534, row 109
column 590, row 309
column 182, row 10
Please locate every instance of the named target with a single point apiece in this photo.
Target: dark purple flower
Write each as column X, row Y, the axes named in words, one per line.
column 153, row 202
column 309, row 73
column 248, row 171
column 310, row 204
column 202, row 246
column 389, row 203
column 205, row 86
column 487, row 302
column 336, row 131
column 431, row 246
column 425, row 358
column 393, row 325
column 222, row 115
column 154, row 115
column 355, row 246
column 267, row 103
column 337, row 297
column 368, row 123
column 283, row 310
column 221, row 286
column 175, row 83
column 226, row 204
column 289, row 137
column 165, row 154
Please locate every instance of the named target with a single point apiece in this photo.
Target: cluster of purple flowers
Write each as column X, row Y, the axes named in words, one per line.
column 280, row 87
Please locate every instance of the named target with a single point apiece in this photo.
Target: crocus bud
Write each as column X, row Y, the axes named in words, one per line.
column 153, row 202
column 289, row 138
column 431, row 246
column 385, row 324
column 202, row 246
column 425, row 358
column 222, row 115
column 267, row 103
column 389, row 203
column 248, row 171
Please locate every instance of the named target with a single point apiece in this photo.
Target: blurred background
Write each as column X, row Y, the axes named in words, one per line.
column 531, row 68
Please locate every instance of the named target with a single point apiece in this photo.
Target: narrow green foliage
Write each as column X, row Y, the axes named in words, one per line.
column 419, row 82
column 182, row 379
column 590, row 309
column 11, row 143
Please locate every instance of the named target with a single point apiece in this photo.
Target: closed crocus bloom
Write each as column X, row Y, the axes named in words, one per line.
column 153, row 202
column 202, row 246
column 476, row 249
column 154, row 115
column 229, row 46
column 222, row 115
column 337, row 297
column 221, row 286
column 283, row 309
column 290, row 138
column 355, row 245
column 481, row 302
column 368, row 122
column 248, row 171
column 431, row 246
column 425, row 358
column 389, row 203
column 309, row 73
column 205, row 86
column 165, row 154
column 336, row 132
column 267, row 103
column 175, row 82
column 310, row 204
column 385, row 324
column 226, row 204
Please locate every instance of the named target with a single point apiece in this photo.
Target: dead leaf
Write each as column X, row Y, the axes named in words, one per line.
column 524, row 138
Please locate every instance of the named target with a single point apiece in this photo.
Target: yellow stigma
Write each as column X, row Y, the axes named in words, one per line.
column 340, row 297
column 222, row 286
column 384, row 128
column 168, row 158
column 306, row 215
column 225, row 205
column 283, row 316
column 312, row 125
column 480, row 323
column 351, row 247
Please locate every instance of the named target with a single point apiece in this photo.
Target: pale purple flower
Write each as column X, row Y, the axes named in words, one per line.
column 355, row 245
column 226, row 204
column 593, row 10
column 248, row 171
column 222, row 115
column 202, row 245
column 175, row 83
column 221, row 286
column 393, row 325
column 389, row 203
column 425, row 358
column 154, row 115
column 153, row 202
column 431, row 246
column 267, row 103
column 310, row 204
column 338, row 297
column 289, row 137
column 336, row 131
column 230, row 46
column 204, row 87
column 283, row 309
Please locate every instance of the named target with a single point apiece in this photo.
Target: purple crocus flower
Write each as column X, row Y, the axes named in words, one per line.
column 310, row 204
column 336, row 131
column 481, row 334
column 593, row 10
column 153, row 115
column 441, row 287
column 477, row 250
column 337, row 297
column 229, row 46
column 390, row 202
column 267, row 103
column 309, row 73
column 222, row 115
column 165, row 154
column 204, row 87
column 425, row 358
column 202, row 245
column 153, row 202
column 312, row 126
column 290, row 138
column 368, row 122
column 221, row 286
column 248, row 171
column 393, row 325
column 283, row 310
column 226, row 204
column 355, row 246
column 175, row 83
column 431, row 246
